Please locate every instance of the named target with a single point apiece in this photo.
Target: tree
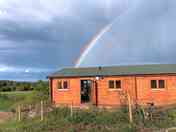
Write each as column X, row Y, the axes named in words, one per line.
column 42, row 89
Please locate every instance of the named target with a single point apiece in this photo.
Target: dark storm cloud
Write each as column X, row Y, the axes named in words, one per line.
column 86, row 15
column 49, row 35
column 47, row 42
column 56, row 30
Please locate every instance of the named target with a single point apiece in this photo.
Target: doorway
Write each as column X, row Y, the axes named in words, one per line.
column 86, row 86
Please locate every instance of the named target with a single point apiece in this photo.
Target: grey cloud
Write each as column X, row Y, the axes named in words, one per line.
column 40, row 35
column 145, row 34
column 83, row 16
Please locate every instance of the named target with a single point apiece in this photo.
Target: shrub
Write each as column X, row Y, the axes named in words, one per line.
column 42, row 90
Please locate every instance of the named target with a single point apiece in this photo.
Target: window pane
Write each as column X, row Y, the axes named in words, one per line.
column 59, row 85
column 153, row 84
column 65, row 84
column 161, row 84
column 111, row 84
column 118, row 84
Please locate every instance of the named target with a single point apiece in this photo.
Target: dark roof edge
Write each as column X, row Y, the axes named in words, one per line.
column 49, row 77
column 114, row 66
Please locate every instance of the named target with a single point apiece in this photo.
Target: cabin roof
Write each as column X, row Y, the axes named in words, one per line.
column 116, row 71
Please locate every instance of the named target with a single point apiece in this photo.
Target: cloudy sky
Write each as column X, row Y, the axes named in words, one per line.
column 38, row 37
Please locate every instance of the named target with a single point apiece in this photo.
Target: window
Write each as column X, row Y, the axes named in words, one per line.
column 111, row 84
column 65, row 85
column 118, row 84
column 59, row 84
column 161, row 84
column 153, row 84
column 114, row 84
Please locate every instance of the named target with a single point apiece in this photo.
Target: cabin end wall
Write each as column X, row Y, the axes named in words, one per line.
column 70, row 96
column 160, row 97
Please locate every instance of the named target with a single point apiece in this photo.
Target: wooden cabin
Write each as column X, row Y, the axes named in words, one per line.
column 108, row 86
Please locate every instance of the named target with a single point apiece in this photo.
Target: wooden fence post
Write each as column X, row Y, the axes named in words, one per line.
column 41, row 110
column 71, row 109
column 130, row 108
column 19, row 113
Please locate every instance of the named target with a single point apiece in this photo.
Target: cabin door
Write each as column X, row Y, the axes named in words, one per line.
column 86, row 86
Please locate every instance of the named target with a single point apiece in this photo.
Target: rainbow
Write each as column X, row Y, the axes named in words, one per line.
column 88, row 47
column 91, row 44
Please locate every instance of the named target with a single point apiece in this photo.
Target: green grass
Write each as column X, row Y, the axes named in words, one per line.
column 92, row 120
column 9, row 100
column 82, row 121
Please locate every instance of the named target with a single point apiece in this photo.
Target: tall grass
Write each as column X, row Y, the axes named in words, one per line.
column 92, row 120
column 81, row 121
column 104, row 120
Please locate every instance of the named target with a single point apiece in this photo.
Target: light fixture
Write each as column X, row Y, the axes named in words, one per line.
column 97, row 78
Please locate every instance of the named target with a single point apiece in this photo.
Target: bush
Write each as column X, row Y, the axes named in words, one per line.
column 42, row 90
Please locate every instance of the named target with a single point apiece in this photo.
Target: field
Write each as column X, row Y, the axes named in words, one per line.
column 91, row 120
column 10, row 100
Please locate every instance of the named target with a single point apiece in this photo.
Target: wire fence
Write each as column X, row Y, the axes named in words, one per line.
column 29, row 111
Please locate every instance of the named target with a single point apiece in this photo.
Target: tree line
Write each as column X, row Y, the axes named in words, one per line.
column 7, row 86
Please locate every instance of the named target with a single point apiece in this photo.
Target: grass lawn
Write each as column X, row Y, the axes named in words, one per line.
column 17, row 93
column 9, row 100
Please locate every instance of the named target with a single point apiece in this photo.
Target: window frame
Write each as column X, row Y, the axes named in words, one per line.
column 109, row 84
column 62, row 85
column 120, row 83
column 67, row 84
column 115, row 84
column 59, row 85
column 164, row 84
column 158, row 84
